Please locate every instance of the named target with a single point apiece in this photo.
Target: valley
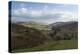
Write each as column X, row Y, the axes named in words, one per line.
column 37, row 37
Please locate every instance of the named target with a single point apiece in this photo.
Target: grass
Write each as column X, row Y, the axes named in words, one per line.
column 52, row 45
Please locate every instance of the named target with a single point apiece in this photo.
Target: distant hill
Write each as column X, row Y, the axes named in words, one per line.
column 71, row 25
column 35, row 25
column 58, row 24
column 66, row 28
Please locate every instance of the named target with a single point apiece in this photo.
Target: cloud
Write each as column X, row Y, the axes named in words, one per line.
column 23, row 12
column 33, row 13
column 22, row 5
column 36, row 13
column 44, row 15
column 45, row 7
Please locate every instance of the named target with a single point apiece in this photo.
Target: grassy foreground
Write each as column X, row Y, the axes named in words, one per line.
column 52, row 45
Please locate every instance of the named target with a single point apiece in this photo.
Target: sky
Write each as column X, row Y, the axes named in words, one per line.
column 43, row 12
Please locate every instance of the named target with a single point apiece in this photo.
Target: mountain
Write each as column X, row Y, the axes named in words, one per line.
column 33, row 24
column 70, row 27
column 65, row 29
column 58, row 24
column 29, row 34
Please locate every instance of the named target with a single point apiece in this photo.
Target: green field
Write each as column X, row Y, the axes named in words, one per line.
column 52, row 45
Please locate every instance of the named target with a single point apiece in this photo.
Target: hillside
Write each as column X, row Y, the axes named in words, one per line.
column 28, row 36
column 66, row 29
column 22, row 37
column 35, row 25
column 66, row 26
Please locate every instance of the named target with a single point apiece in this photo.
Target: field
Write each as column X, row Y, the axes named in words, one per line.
column 52, row 45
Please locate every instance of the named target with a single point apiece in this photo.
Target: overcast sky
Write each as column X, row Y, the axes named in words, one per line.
column 43, row 12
